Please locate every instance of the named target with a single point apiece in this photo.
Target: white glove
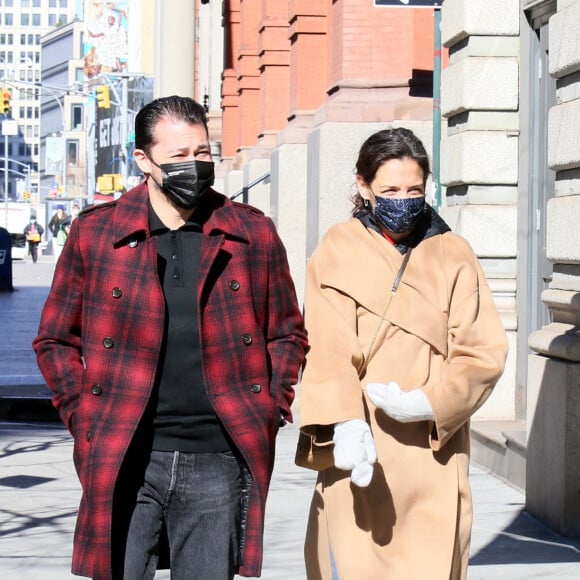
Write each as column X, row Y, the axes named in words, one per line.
column 403, row 406
column 354, row 450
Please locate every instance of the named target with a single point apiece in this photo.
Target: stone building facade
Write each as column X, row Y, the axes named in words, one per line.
column 304, row 82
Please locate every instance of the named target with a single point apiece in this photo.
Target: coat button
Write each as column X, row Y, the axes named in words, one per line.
column 88, row 435
column 132, row 243
column 117, row 293
column 234, row 285
column 108, row 342
column 256, row 388
column 247, row 339
column 96, row 390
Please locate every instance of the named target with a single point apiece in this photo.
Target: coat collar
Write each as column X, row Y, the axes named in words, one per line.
column 359, row 262
column 130, row 220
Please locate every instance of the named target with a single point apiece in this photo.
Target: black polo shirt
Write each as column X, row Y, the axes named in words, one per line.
column 184, row 419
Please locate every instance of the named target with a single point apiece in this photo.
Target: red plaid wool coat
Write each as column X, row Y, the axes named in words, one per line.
column 100, row 335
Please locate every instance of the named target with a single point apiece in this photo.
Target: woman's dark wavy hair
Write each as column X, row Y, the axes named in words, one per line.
column 383, row 145
column 175, row 108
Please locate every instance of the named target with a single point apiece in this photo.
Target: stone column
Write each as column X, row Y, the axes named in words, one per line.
column 308, row 81
column 553, row 447
column 479, row 153
column 174, row 35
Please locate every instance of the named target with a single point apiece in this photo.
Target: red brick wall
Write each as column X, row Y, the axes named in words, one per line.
column 285, row 56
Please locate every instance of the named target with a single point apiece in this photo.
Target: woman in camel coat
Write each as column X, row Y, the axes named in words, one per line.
column 393, row 389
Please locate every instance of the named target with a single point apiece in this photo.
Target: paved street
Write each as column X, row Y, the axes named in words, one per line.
column 39, row 491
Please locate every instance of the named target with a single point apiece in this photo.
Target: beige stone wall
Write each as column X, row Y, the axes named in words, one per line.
column 479, row 156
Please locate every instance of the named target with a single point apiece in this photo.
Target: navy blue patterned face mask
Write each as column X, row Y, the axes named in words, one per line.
column 399, row 215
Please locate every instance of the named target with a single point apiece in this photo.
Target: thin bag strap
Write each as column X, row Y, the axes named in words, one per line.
column 392, row 292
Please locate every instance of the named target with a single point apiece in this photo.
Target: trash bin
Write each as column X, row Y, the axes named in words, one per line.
column 5, row 261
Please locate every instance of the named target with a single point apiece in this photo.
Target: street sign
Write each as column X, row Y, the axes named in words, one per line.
column 10, row 127
column 409, row 3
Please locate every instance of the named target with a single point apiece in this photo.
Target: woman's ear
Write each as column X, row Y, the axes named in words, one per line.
column 363, row 189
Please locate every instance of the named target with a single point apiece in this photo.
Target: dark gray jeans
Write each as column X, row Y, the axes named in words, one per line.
column 196, row 497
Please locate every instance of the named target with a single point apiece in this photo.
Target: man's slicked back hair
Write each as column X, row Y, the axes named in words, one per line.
column 174, row 108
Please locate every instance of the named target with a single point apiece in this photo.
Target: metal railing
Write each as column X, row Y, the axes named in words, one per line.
column 244, row 191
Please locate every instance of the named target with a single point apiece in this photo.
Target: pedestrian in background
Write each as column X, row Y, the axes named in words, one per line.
column 406, row 344
column 57, row 227
column 172, row 339
column 74, row 213
column 33, row 232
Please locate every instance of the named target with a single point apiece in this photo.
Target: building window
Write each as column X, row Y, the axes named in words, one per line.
column 36, row 20
column 25, row 3
column 72, row 153
column 9, row 19
column 36, row 3
column 52, row 19
column 24, row 19
column 63, row 3
column 52, row 3
column 77, row 117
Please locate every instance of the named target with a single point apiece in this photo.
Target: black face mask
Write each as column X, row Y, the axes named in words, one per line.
column 185, row 183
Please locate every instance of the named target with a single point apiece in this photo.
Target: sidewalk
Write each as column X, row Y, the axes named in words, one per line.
column 39, row 492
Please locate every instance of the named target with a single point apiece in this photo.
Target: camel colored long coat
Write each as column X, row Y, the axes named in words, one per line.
column 441, row 333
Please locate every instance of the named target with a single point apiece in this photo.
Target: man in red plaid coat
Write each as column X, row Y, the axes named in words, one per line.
column 172, row 339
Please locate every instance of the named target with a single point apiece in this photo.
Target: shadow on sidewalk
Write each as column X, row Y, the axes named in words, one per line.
column 527, row 541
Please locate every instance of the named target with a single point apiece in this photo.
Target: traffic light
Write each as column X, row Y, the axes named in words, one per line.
column 103, row 97
column 5, row 100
